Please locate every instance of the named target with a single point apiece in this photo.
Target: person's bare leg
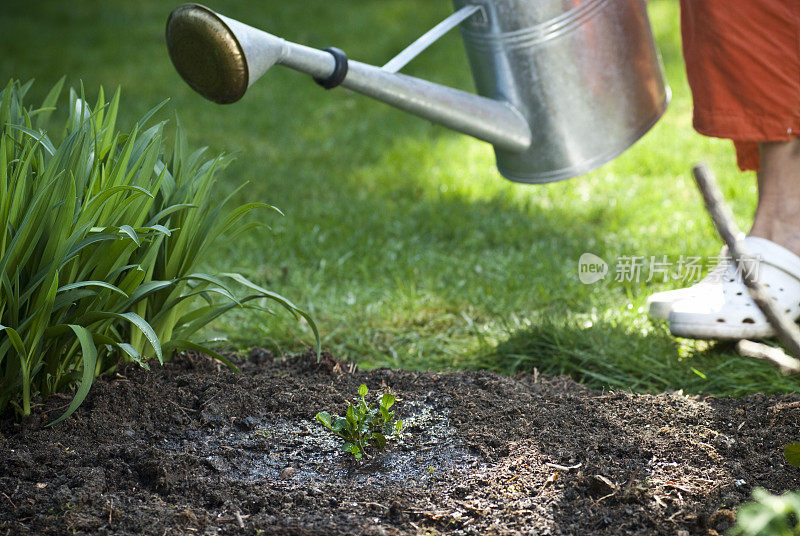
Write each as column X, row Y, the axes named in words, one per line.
column 777, row 217
column 778, row 214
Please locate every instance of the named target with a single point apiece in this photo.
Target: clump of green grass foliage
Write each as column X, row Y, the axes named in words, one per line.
column 769, row 515
column 364, row 425
column 102, row 232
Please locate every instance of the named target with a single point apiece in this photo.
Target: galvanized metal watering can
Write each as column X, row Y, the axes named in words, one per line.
column 564, row 85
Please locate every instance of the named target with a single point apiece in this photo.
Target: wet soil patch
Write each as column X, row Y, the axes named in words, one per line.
column 194, row 449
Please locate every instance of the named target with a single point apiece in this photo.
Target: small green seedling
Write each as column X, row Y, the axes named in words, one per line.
column 364, row 425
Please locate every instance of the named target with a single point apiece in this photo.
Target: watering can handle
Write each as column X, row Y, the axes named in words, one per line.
column 431, row 36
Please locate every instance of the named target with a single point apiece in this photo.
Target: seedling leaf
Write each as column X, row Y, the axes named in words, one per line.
column 792, row 453
column 325, row 418
column 339, row 424
column 387, row 401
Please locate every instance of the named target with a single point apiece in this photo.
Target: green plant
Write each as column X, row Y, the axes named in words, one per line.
column 769, row 515
column 364, row 425
column 100, row 241
column 792, row 453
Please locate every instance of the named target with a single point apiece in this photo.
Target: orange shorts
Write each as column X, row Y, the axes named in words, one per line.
column 743, row 63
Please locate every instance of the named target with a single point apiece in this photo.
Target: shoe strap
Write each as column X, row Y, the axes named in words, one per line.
column 774, row 255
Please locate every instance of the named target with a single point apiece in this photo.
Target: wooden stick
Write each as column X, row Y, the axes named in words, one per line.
column 786, row 330
column 776, row 356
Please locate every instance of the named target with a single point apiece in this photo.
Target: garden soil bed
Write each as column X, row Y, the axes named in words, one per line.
column 191, row 448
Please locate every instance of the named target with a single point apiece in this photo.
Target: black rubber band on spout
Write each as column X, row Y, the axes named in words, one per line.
column 339, row 70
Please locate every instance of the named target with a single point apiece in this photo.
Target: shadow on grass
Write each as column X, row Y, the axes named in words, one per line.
column 610, row 355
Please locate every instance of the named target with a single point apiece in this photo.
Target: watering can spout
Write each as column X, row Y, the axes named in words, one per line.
column 217, row 56
column 220, row 58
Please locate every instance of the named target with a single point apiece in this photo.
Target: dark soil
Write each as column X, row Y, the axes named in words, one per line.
column 194, row 449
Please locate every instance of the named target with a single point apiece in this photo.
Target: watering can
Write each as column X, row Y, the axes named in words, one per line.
column 564, row 86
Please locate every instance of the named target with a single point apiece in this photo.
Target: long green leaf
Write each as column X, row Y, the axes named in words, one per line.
column 39, row 136
column 49, row 103
column 81, row 284
column 183, row 344
column 16, row 341
column 89, row 352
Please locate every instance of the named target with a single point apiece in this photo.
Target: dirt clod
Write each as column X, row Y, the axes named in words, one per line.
column 601, row 486
column 288, row 473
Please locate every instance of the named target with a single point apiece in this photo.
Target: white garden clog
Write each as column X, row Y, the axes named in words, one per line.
column 660, row 304
column 725, row 310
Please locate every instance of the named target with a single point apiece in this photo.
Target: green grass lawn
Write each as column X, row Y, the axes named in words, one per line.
column 399, row 236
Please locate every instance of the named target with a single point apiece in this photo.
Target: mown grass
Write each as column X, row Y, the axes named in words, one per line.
column 400, row 237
